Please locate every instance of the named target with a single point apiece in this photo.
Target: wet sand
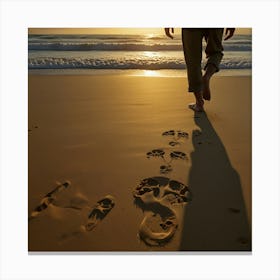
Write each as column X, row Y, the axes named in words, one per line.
column 119, row 163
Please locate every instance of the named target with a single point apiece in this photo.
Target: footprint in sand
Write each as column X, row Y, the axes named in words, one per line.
column 176, row 136
column 63, row 196
column 156, row 153
column 99, row 212
column 48, row 199
column 96, row 214
column 66, row 196
column 157, row 196
column 178, row 155
column 164, row 169
column 160, row 153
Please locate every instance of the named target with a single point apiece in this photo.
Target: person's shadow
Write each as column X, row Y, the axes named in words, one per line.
column 215, row 219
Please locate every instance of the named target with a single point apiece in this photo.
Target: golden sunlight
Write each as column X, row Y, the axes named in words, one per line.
column 150, row 36
column 151, row 73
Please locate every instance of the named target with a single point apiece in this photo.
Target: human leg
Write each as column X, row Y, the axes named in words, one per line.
column 214, row 54
column 192, row 46
column 210, row 70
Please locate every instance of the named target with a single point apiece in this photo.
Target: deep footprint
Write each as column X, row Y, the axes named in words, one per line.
column 156, row 196
column 99, row 212
column 48, row 199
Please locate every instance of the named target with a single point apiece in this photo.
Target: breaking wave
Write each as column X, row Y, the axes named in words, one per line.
column 81, row 46
column 147, row 64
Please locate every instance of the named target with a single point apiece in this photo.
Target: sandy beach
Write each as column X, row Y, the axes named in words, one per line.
column 119, row 163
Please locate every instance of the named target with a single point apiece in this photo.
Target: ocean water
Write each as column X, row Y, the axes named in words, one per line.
column 98, row 54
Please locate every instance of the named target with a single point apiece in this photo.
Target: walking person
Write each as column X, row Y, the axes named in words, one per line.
column 192, row 45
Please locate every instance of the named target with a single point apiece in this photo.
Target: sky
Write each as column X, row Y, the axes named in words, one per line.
column 132, row 31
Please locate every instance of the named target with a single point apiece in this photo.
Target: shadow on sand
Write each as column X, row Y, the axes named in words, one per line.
column 216, row 219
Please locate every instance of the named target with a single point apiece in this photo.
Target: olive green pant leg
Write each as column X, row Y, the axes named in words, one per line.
column 214, row 48
column 192, row 46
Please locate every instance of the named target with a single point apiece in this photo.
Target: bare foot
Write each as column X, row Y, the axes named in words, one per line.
column 206, row 88
column 195, row 107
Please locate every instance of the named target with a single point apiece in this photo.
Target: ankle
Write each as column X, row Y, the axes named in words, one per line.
column 199, row 104
column 199, row 99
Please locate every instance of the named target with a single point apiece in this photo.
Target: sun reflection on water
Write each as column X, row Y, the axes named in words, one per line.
column 151, row 73
column 151, row 54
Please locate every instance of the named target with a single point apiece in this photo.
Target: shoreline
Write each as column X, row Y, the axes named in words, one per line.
column 135, row 72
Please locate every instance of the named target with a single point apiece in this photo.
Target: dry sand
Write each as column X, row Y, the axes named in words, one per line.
column 96, row 131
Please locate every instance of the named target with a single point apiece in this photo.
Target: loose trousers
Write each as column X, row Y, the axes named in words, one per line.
column 192, row 45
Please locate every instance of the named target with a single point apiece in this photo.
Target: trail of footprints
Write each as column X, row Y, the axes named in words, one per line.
column 177, row 136
column 76, row 201
column 157, row 196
